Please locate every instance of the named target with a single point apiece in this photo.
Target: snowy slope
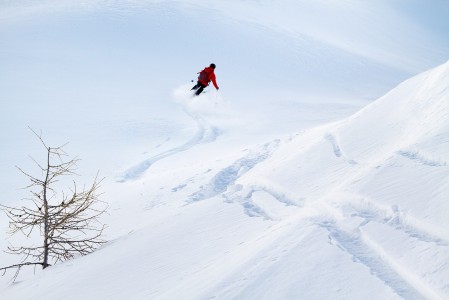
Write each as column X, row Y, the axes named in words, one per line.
column 273, row 188
column 382, row 182
column 353, row 209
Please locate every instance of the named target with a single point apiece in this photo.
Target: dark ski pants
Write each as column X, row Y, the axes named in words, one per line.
column 199, row 87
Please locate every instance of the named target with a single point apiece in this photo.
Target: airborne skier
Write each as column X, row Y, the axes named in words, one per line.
column 207, row 75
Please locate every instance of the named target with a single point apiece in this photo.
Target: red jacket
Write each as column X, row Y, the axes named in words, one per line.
column 211, row 75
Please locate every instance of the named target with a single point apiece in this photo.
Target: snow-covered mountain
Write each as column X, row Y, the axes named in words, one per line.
column 295, row 181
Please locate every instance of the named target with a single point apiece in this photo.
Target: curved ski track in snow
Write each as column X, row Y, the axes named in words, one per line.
column 227, row 176
column 205, row 133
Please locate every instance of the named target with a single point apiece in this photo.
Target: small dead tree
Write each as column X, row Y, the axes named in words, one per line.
column 68, row 224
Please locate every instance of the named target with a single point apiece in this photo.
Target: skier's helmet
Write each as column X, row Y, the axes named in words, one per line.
column 212, row 66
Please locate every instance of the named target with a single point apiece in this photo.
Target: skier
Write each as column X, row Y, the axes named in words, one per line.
column 207, row 75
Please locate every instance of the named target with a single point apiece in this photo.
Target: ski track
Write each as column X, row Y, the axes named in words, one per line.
column 251, row 208
column 279, row 196
column 367, row 251
column 355, row 245
column 178, row 187
column 422, row 158
column 227, row 176
column 399, row 220
column 205, row 133
column 337, row 149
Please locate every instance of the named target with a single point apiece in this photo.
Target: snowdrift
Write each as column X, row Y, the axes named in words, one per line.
column 355, row 209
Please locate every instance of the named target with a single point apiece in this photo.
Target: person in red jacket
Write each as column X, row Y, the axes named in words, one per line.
column 207, row 75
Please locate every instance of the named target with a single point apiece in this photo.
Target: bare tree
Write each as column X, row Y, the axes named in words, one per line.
column 68, row 223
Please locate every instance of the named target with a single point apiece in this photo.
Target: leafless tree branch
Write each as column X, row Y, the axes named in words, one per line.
column 68, row 226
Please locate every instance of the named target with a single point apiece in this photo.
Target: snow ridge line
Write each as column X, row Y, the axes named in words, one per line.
column 227, row 176
column 205, row 133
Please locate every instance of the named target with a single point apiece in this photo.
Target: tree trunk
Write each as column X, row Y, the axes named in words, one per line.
column 46, row 227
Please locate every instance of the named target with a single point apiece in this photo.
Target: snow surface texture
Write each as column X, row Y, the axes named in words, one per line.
column 286, row 184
